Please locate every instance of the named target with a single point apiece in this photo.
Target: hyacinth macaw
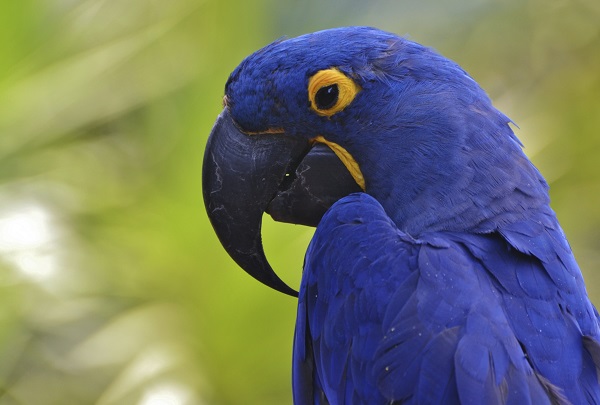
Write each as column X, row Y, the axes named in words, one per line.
column 438, row 272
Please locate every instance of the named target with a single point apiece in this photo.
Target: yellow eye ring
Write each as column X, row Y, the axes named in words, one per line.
column 330, row 91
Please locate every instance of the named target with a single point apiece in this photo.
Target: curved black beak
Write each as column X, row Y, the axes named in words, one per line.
column 245, row 175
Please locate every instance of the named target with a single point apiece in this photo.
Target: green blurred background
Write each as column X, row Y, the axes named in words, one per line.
column 114, row 289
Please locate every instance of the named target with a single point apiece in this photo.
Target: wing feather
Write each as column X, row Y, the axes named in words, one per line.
column 445, row 318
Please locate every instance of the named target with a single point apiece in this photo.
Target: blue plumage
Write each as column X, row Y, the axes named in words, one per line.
column 445, row 317
column 449, row 280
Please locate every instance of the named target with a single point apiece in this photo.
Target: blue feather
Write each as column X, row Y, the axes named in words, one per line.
column 447, row 317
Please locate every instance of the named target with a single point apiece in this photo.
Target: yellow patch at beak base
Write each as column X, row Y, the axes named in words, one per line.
column 346, row 159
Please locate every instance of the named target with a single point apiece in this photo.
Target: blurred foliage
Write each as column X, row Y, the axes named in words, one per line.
column 114, row 289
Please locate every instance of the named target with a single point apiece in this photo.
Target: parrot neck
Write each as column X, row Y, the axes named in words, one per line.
column 473, row 209
column 464, row 189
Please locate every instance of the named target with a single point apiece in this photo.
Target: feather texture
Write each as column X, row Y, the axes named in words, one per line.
column 446, row 318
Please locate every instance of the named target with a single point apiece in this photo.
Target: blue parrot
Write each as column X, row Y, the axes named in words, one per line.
column 438, row 273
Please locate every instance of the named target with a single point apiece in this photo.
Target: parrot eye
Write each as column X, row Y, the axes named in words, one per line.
column 330, row 91
column 326, row 97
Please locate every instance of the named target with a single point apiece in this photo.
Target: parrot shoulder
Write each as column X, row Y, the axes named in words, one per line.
column 424, row 319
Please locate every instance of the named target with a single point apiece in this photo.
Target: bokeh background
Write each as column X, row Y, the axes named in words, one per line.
column 113, row 287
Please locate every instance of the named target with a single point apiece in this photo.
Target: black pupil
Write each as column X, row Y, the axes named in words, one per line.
column 326, row 97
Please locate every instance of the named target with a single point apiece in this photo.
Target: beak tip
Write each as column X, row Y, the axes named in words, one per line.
column 256, row 265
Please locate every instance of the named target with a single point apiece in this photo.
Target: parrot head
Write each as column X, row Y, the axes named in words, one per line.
column 309, row 120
